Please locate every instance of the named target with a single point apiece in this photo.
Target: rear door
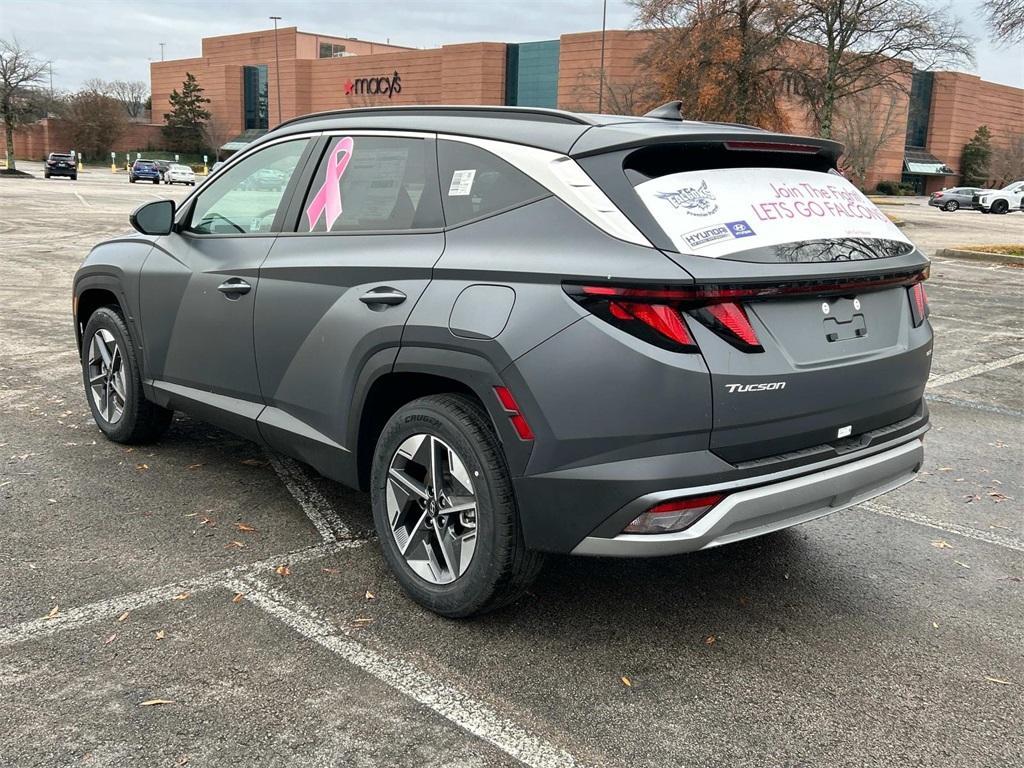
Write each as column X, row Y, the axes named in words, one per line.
column 199, row 287
column 336, row 291
column 803, row 312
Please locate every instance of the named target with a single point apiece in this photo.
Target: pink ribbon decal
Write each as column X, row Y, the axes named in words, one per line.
column 327, row 200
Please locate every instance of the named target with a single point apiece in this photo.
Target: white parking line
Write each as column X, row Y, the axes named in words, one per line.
column 79, row 616
column 1007, row 542
column 317, row 508
column 974, row 370
column 438, row 695
column 83, row 201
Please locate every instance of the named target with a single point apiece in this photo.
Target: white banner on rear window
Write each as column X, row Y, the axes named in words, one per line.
column 726, row 210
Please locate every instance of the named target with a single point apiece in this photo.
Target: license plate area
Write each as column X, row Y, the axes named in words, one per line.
column 844, row 319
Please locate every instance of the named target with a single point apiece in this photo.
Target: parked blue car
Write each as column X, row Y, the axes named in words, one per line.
column 146, row 170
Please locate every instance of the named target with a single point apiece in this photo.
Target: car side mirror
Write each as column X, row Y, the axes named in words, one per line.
column 156, row 218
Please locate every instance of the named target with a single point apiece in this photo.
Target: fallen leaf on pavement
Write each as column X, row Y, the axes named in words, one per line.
column 282, row 570
column 182, row 596
column 160, row 635
column 239, row 597
column 935, row 625
column 370, row 595
column 626, row 681
column 155, row 702
column 253, row 462
column 193, row 466
column 234, row 544
column 142, row 467
column 997, row 681
column 710, row 640
column 110, row 639
column 942, row 544
column 124, row 616
column 330, row 570
column 245, row 528
column 962, row 565
column 53, row 612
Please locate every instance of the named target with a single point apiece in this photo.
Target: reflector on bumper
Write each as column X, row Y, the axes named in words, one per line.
column 674, row 515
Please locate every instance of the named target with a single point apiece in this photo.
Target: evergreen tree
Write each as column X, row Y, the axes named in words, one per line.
column 187, row 119
column 975, row 159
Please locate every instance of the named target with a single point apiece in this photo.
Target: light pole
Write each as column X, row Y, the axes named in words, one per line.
column 162, row 51
column 604, row 24
column 277, row 69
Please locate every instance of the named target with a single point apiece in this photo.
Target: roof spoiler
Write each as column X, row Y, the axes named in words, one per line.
column 671, row 110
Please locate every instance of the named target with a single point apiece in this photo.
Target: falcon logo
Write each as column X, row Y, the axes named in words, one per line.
column 697, row 201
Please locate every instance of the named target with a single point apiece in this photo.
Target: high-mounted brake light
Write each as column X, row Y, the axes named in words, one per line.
column 514, row 415
column 772, row 146
column 918, row 303
column 674, row 515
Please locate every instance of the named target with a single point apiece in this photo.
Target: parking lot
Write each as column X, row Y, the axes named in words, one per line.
column 201, row 602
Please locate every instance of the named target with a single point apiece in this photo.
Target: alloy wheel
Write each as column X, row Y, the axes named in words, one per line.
column 106, row 376
column 432, row 508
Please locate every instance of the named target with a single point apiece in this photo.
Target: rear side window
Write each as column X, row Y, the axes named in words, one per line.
column 476, row 183
column 373, row 184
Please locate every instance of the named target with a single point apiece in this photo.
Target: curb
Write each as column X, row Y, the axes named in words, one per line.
column 998, row 258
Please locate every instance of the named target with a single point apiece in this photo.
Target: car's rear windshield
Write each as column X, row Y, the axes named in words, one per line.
column 146, row 163
column 771, row 205
column 56, row 156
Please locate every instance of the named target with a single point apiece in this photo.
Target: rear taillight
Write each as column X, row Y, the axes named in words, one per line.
column 673, row 515
column 918, row 303
column 511, row 407
column 729, row 320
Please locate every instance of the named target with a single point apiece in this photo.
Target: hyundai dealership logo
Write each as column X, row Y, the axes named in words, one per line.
column 374, row 86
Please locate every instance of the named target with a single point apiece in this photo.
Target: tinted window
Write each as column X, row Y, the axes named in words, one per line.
column 244, row 199
column 476, row 183
column 373, row 184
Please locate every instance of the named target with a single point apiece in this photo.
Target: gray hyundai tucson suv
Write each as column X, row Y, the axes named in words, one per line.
column 527, row 331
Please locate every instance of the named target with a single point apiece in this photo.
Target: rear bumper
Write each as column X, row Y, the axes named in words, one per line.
column 754, row 511
column 62, row 171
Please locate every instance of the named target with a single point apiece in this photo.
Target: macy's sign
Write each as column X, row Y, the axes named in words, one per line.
column 374, row 86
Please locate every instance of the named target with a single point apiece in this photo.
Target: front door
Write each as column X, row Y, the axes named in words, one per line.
column 335, row 292
column 199, row 286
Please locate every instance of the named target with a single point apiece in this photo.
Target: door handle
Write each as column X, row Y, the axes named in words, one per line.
column 384, row 296
column 234, row 287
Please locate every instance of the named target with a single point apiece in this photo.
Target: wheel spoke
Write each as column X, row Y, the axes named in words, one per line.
column 436, row 466
column 416, row 534
column 117, row 385
column 408, row 484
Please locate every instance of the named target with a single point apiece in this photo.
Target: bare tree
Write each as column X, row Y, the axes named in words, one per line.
column 20, row 72
column 866, row 122
column 1005, row 20
column 132, row 95
column 721, row 58
column 1007, row 162
column 621, row 97
column 95, row 121
column 217, row 132
column 858, row 45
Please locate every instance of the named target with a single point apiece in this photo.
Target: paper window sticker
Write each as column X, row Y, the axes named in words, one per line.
column 462, row 183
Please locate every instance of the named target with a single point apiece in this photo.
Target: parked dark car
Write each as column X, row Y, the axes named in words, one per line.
column 953, row 199
column 61, row 164
column 144, row 170
column 163, row 166
column 527, row 331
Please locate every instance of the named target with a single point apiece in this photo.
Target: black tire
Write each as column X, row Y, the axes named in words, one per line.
column 156, row 181
column 951, row 206
column 501, row 567
column 46, row 175
column 1000, row 206
column 75, row 177
column 141, row 421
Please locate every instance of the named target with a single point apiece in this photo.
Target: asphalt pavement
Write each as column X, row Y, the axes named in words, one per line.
column 201, row 602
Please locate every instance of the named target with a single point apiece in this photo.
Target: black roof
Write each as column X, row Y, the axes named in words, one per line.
column 551, row 129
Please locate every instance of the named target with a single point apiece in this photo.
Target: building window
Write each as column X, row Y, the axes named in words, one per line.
column 254, row 95
column 531, row 74
column 331, row 50
column 919, row 109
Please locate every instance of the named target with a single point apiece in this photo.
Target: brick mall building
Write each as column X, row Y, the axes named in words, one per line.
column 243, row 74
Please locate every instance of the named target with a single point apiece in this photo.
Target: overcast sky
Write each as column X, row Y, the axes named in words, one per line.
column 116, row 39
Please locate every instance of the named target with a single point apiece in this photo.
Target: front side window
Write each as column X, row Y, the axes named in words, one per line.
column 244, row 199
column 476, row 183
column 373, row 184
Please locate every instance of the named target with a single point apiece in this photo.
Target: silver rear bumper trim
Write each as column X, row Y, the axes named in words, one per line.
column 766, row 508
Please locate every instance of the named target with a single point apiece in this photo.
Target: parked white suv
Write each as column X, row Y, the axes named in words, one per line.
column 1009, row 198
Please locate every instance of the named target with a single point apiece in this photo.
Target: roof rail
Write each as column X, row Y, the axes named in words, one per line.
column 518, row 113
